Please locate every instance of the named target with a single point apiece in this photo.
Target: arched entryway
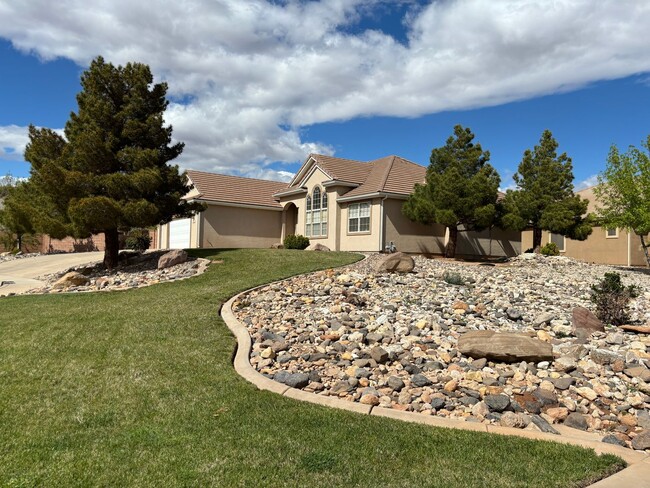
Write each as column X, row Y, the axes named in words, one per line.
column 289, row 219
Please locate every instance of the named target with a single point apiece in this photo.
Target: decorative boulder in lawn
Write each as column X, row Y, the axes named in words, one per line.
column 277, row 245
column 585, row 323
column 172, row 258
column 317, row 247
column 72, row 278
column 396, row 263
column 507, row 347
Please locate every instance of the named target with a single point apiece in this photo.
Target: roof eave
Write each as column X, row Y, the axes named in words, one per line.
column 378, row 194
column 240, row 205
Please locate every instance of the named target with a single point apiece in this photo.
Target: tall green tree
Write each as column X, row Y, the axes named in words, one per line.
column 623, row 192
column 460, row 191
column 110, row 172
column 15, row 214
column 544, row 198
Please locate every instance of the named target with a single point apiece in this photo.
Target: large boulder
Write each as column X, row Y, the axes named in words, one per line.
column 72, row 278
column 507, row 347
column 396, row 263
column 317, row 247
column 172, row 258
column 585, row 323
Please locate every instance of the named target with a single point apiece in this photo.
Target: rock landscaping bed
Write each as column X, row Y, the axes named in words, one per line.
column 134, row 271
column 7, row 256
column 513, row 344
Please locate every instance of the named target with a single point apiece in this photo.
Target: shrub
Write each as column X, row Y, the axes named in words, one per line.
column 293, row 241
column 138, row 239
column 550, row 249
column 611, row 298
column 453, row 278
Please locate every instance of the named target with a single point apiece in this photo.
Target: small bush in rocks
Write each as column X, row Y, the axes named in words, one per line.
column 138, row 239
column 550, row 249
column 611, row 298
column 453, row 278
column 293, row 241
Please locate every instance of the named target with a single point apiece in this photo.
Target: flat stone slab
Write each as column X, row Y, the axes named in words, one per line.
column 507, row 347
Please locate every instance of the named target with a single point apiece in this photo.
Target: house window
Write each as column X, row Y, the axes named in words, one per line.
column 316, row 214
column 611, row 233
column 559, row 240
column 359, row 217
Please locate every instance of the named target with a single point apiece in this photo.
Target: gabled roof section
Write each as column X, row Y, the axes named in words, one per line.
column 339, row 169
column 391, row 174
column 218, row 188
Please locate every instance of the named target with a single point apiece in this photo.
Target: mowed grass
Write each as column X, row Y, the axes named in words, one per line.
column 137, row 388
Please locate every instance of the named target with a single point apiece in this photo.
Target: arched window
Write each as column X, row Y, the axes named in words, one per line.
column 316, row 214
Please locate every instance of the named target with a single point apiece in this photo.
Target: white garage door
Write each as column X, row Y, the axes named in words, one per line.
column 179, row 234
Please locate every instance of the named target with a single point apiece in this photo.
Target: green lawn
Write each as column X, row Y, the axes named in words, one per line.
column 136, row 388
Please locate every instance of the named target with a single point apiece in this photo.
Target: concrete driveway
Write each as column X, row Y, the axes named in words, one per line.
column 19, row 275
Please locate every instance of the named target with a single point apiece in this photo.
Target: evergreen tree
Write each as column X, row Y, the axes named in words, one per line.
column 623, row 193
column 544, row 198
column 15, row 214
column 111, row 170
column 460, row 191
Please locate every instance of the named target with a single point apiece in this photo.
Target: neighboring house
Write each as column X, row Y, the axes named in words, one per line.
column 604, row 246
column 343, row 204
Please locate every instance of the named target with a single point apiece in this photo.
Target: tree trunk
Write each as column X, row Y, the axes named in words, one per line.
column 111, row 248
column 450, row 250
column 537, row 239
column 19, row 242
column 645, row 249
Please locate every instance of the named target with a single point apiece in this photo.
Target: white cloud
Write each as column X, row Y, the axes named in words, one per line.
column 586, row 183
column 257, row 72
column 13, row 140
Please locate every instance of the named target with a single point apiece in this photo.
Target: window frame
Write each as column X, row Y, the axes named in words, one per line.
column 550, row 239
column 357, row 219
column 615, row 236
column 316, row 213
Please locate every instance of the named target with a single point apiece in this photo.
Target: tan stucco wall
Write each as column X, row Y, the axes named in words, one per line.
column 224, row 227
column 597, row 248
column 367, row 241
column 163, row 236
column 490, row 242
column 410, row 236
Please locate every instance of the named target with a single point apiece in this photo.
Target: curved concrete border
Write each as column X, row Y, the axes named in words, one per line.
column 636, row 474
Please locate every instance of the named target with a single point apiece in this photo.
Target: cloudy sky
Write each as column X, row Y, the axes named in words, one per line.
column 257, row 85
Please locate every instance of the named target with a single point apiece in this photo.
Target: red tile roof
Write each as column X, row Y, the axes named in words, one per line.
column 235, row 189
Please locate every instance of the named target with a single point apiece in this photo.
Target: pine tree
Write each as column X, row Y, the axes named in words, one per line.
column 15, row 213
column 460, row 191
column 623, row 192
column 111, row 170
column 544, row 198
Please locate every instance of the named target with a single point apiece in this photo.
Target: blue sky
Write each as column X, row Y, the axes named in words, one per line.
column 258, row 85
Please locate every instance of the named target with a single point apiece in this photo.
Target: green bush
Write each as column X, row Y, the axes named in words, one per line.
column 550, row 249
column 293, row 241
column 138, row 239
column 611, row 298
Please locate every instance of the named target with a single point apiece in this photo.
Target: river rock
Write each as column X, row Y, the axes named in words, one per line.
column 642, row 440
column 508, row 347
column 585, row 323
column 172, row 258
column 396, row 263
column 317, row 247
column 71, row 279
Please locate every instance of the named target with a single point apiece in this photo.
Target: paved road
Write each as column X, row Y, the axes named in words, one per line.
column 23, row 272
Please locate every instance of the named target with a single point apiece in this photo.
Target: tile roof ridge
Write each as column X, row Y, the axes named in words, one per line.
column 236, row 176
column 387, row 172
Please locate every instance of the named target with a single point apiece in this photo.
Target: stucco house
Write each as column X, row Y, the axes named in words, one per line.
column 604, row 246
column 344, row 204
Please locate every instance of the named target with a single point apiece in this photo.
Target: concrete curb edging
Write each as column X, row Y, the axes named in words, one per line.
column 636, row 474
